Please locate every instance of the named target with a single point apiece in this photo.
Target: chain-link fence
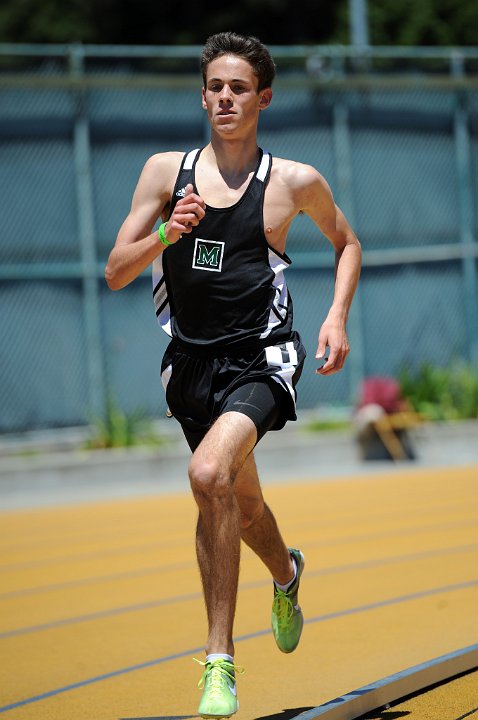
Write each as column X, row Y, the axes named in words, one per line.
column 396, row 136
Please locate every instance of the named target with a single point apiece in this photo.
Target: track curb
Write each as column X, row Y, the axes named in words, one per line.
column 394, row 687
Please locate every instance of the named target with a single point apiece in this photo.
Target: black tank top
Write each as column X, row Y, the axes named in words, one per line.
column 222, row 284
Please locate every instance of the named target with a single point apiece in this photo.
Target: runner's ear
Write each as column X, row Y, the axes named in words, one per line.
column 265, row 98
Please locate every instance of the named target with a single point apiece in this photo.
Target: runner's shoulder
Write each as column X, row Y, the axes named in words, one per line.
column 298, row 177
column 164, row 162
column 159, row 175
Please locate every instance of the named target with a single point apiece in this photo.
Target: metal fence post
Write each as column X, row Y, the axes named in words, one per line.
column 86, row 234
column 465, row 194
column 344, row 197
column 358, row 21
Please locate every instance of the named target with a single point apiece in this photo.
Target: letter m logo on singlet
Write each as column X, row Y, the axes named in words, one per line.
column 208, row 255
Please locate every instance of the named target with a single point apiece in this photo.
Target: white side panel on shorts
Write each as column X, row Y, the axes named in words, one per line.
column 292, row 353
column 166, row 375
column 285, row 370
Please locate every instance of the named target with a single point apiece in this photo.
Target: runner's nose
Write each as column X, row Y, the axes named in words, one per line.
column 225, row 94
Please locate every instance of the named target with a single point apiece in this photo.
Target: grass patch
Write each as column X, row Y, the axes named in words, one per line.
column 327, row 425
column 119, row 429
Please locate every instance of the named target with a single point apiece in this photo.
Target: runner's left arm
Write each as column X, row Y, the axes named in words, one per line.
column 318, row 204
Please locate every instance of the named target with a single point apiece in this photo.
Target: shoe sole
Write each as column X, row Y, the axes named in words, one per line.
column 217, row 717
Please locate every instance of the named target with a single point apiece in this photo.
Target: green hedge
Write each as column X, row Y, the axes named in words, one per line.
column 442, row 393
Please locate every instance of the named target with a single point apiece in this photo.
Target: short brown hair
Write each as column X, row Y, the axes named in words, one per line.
column 248, row 48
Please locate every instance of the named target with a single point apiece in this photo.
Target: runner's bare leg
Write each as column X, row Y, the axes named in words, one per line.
column 259, row 528
column 212, row 471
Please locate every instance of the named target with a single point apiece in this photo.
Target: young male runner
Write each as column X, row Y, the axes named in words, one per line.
column 231, row 367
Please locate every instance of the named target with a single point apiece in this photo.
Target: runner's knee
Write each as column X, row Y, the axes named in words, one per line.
column 207, row 480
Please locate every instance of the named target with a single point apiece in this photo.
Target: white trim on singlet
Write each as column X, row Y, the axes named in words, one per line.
column 160, row 297
column 279, row 307
column 264, row 166
column 261, row 171
column 189, row 159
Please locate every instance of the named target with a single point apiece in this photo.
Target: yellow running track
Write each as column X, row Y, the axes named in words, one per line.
column 101, row 611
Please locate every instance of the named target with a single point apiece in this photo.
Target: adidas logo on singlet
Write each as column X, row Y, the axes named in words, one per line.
column 181, row 192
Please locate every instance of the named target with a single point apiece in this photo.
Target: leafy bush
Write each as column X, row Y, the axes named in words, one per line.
column 117, row 429
column 442, row 393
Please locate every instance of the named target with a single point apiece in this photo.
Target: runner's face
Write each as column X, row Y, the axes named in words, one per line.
column 231, row 97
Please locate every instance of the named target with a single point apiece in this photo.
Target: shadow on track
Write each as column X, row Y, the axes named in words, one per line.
column 285, row 714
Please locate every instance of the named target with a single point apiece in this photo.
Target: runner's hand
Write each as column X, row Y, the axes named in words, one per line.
column 332, row 335
column 187, row 213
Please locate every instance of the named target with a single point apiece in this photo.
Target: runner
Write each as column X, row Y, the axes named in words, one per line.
column 231, row 368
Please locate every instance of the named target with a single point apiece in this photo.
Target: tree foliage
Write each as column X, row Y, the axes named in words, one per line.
column 428, row 22
column 45, row 21
column 132, row 22
column 392, row 22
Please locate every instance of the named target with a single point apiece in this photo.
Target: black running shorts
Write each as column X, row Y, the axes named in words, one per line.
column 256, row 381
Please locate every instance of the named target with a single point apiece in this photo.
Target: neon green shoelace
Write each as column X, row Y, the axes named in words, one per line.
column 217, row 673
column 283, row 608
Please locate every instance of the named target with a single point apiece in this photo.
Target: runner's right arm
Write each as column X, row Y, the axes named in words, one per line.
column 136, row 246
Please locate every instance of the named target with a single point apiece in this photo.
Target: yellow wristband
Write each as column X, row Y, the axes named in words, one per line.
column 162, row 236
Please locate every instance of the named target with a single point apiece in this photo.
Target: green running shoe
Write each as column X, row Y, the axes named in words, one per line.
column 287, row 618
column 219, row 697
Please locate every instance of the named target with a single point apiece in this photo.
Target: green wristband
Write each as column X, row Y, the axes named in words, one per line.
column 162, row 236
